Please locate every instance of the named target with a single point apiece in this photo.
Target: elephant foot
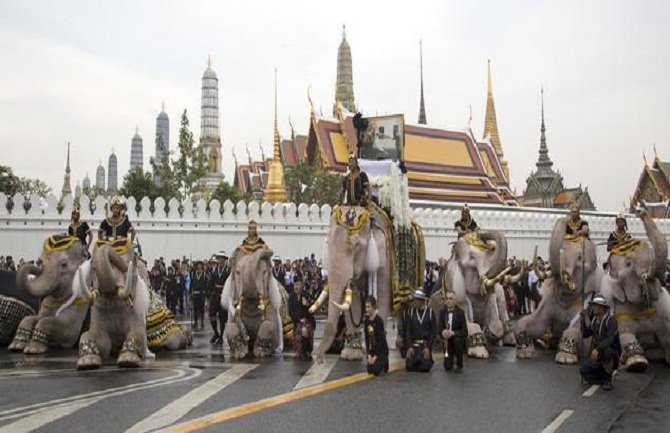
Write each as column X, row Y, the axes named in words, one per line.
column 89, row 362
column 633, row 356
column 509, row 339
column 567, row 351
column 525, row 348
column 238, row 347
column 353, row 347
column 477, row 346
column 17, row 346
column 526, row 352
column 565, row 358
column 351, row 354
column 35, row 348
column 131, row 354
column 21, row 339
column 128, row 360
column 89, row 355
column 636, row 364
column 263, row 347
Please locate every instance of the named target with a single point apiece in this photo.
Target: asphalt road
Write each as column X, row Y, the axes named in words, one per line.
column 197, row 390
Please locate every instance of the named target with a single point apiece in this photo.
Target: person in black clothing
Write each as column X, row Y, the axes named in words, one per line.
column 278, row 270
column 466, row 223
column 303, row 320
column 620, row 234
column 355, row 185
column 377, row 360
column 604, row 357
column 454, row 330
column 80, row 228
column 220, row 274
column 198, row 292
column 420, row 331
column 170, row 290
column 116, row 225
column 576, row 225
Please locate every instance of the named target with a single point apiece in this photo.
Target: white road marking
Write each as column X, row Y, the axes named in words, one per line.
column 556, row 423
column 180, row 407
column 592, row 390
column 37, row 415
column 317, row 373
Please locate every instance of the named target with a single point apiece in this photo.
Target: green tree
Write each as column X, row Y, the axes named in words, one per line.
column 28, row 187
column 138, row 183
column 306, row 184
column 9, row 182
column 191, row 166
column 226, row 191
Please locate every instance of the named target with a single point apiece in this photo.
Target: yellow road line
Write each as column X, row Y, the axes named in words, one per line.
column 249, row 408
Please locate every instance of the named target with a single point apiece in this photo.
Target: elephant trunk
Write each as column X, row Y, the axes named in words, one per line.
column 38, row 287
column 556, row 242
column 103, row 260
column 497, row 269
column 659, row 243
column 566, row 278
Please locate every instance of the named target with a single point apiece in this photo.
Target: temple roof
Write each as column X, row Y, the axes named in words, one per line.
column 442, row 165
column 653, row 185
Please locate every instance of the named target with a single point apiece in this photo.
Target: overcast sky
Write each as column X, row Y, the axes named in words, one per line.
column 89, row 72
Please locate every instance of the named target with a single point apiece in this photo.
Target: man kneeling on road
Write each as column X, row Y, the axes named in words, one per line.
column 603, row 359
column 454, row 330
column 420, row 332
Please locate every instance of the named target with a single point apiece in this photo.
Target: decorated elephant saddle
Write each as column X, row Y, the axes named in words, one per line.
column 161, row 322
column 627, row 247
column 120, row 245
column 60, row 242
column 250, row 246
column 352, row 218
column 473, row 239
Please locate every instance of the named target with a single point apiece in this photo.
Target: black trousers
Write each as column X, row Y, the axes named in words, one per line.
column 379, row 366
column 455, row 347
column 595, row 373
column 199, row 309
column 417, row 362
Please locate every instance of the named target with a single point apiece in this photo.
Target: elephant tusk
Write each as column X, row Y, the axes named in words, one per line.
column 320, row 300
column 86, row 291
column 489, row 282
column 542, row 275
column 347, row 301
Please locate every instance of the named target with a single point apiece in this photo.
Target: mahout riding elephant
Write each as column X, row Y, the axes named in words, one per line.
column 120, row 298
column 574, row 274
column 254, row 300
column 61, row 313
column 476, row 267
column 357, row 258
column 15, row 304
column 633, row 288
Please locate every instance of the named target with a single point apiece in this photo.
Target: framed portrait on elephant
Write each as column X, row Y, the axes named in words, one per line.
column 384, row 138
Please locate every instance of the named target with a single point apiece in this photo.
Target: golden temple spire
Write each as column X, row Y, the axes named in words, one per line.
column 276, row 191
column 491, row 123
column 422, row 105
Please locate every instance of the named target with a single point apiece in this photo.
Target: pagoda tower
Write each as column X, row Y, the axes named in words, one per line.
column 344, row 85
column 210, row 139
column 422, row 105
column 491, row 124
column 276, row 191
column 136, row 152
column 67, row 190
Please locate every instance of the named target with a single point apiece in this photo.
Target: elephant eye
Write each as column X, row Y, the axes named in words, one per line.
column 63, row 265
column 629, row 263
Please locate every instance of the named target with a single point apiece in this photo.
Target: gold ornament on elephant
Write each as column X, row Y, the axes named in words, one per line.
column 352, row 218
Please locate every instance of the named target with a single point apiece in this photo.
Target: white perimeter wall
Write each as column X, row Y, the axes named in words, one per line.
column 292, row 230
